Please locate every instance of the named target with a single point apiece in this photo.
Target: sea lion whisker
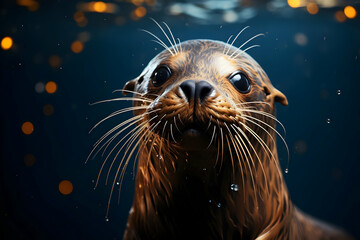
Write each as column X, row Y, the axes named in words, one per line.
column 134, row 92
column 172, row 135
column 247, row 156
column 244, row 51
column 231, row 157
column 256, row 154
column 180, row 119
column 139, row 118
column 237, row 150
column 176, row 124
column 225, row 46
column 172, row 36
column 159, row 41
column 179, row 44
column 124, row 110
column 212, row 137
column 239, row 48
column 272, row 128
column 209, row 123
column 266, row 115
column 117, row 134
column 172, row 45
column 121, row 99
column 107, row 157
column 253, row 102
column 235, row 39
column 163, row 130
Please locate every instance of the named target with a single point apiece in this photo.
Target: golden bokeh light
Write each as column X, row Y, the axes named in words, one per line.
column 31, row 5
column 312, row 8
column 350, row 12
column 99, row 6
column 140, row 12
column 51, row 87
column 65, row 187
column 29, row 160
column 27, row 128
column 48, row 109
column 54, row 61
column 80, row 19
column 294, row 3
column 6, row 43
column 137, row 2
column 340, row 16
column 77, row 47
column 150, row 2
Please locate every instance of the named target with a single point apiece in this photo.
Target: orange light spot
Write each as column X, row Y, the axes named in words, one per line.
column 79, row 16
column 55, row 61
column 51, row 87
column 150, row 2
column 65, row 187
column 137, row 2
column 340, row 16
column 48, row 109
column 350, row 12
column 29, row 160
column 140, row 12
column 77, row 47
column 27, row 128
column 6, row 43
column 312, row 8
column 294, row 3
column 140, row 186
column 32, row 5
column 99, row 6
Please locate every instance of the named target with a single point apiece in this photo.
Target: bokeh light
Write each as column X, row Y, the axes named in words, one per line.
column 99, row 6
column 39, row 87
column 77, row 47
column 48, row 109
column 80, row 19
column 294, row 3
column 340, row 16
column 312, row 8
column 350, row 12
column 27, row 128
column 54, row 61
column 31, row 5
column 300, row 39
column 6, row 43
column 65, row 187
column 51, row 87
column 139, row 12
column 29, row 160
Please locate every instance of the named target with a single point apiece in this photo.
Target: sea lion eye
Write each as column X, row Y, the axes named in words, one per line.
column 161, row 75
column 240, row 82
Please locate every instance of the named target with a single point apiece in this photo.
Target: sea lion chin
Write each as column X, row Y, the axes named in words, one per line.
column 208, row 166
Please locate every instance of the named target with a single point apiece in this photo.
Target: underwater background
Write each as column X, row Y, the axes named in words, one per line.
column 58, row 57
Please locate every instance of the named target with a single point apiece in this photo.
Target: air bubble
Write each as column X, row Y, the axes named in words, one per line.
column 107, row 219
column 218, row 205
column 234, row 187
column 286, row 170
column 338, row 92
column 117, row 183
column 328, row 121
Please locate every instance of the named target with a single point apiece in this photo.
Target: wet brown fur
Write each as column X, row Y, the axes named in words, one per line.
column 186, row 194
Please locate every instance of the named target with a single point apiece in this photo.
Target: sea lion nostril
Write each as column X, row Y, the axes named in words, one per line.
column 203, row 90
column 188, row 88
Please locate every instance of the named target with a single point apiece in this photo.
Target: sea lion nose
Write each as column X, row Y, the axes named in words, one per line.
column 196, row 90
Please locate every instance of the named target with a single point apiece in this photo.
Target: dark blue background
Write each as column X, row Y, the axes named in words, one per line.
column 323, row 177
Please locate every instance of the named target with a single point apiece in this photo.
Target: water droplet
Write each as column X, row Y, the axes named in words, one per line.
column 218, row 205
column 204, row 169
column 338, row 92
column 117, row 183
column 286, row 170
column 234, row 187
column 93, row 181
column 157, row 155
column 210, row 201
column 328, row 121
column 107, row 219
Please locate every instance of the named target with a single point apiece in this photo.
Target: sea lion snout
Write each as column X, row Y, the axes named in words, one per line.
column 196, row 90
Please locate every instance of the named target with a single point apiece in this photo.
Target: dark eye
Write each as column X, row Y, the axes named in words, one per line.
column 161, row 75
column 240, row 82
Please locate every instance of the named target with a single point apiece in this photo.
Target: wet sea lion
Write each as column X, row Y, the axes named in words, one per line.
column 207, row 163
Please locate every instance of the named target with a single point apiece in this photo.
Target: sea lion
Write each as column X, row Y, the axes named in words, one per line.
column 207, row 163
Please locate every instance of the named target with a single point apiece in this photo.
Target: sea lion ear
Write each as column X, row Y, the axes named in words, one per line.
column 275, row 95
column 280, row 97
column 129, row 86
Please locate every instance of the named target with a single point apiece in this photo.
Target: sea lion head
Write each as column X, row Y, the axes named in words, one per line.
column 202, row 88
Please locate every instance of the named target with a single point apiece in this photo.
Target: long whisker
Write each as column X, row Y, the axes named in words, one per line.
column 239, row 48
column 164, row 34
column 244, row 51
column 212, row 137
column 227, row 43
column 134, row 92
column 172, row 135
column 172, row 36
column 235, row 39
column 122, row 99
column 159, row 41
